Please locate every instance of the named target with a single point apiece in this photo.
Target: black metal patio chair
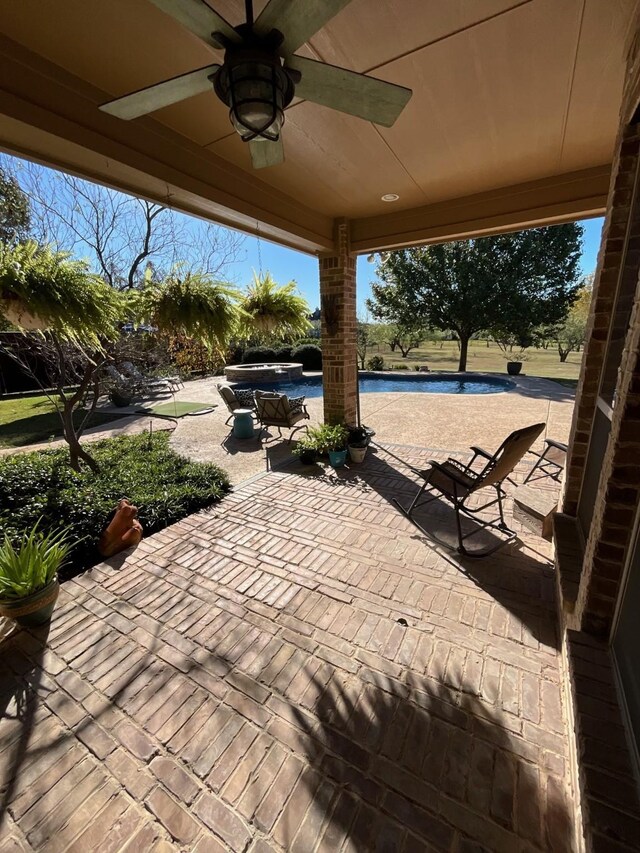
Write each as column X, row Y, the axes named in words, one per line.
column 458, row 482
column 550, row 462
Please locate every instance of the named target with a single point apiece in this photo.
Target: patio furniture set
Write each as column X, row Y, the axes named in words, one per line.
column 266, row 408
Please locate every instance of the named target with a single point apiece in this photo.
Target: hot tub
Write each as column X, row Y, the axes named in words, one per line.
column 276, row 372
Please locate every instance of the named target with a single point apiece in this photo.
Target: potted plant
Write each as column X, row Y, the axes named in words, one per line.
column 28, row 575
column 306, row 450
column 358, row 440
column 332, row 439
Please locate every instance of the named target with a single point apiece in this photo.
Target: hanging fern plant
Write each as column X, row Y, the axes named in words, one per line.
column 274, row 311
column 193, row 305
column 41, row 288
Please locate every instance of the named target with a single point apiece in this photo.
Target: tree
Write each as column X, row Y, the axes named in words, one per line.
column 270, row 311
column 508, row 284
column 80, row 313
column 81, row 316
column 571, row 334
column 121, row 236
column 15, row 216
column 364, row 339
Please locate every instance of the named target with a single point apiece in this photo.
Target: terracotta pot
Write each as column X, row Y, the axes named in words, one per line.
column 17, row 313
column 34, row 609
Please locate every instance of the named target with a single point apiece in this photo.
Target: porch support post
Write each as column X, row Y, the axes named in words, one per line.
column 338, row 306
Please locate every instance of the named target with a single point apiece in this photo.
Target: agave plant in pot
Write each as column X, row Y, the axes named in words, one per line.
column 28, row 575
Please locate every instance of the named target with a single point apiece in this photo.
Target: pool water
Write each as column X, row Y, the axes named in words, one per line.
column 371, row 383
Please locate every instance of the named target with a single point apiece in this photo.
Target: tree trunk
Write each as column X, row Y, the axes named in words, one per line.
column 563, row 353
column 463, row 342
column 76, row 451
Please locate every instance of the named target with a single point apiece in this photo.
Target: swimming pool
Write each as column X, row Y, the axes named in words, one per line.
column 372, row 383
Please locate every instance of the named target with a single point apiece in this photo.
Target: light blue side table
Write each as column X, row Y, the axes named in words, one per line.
column 243, row 423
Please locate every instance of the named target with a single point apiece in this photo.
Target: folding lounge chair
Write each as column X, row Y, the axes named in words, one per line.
column 236, row 399
column 147, row 383
column 124, row 383
column 278, row 411
column 550, row 462
column 458, row 482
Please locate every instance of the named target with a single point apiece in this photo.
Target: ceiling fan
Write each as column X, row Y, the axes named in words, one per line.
column 261, row 73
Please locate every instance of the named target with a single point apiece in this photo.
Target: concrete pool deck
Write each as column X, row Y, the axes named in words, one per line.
column 443, row 421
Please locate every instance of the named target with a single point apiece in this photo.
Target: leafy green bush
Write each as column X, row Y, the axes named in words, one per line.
column 376, row 362
column 309, row 355
column 400, row 367
column 284, row 354
column 259, row 355
column 163, row 485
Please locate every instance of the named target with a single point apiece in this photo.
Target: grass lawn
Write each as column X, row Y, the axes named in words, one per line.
column 26, row 420
column 483, row 358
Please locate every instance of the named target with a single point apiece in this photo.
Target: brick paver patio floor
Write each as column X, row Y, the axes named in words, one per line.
column 243, row 682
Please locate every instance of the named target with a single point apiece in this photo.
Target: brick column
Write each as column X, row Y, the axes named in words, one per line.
column 338, row 305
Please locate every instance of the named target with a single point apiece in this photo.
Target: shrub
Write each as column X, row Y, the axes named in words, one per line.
column 284, row 354
column 259, row 355
column 164, row 486
column 191, row 356
column 376, row 362
column 309, row 355
column 316, row 342
column 400, row 367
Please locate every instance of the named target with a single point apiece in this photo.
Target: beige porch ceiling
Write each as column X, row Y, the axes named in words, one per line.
column 512, row 121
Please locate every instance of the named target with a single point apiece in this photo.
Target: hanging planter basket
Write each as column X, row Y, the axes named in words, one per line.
column 17, row 313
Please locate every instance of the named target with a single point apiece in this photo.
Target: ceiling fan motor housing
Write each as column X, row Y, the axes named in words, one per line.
column 255, row 86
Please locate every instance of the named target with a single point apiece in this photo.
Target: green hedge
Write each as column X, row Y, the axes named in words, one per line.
column 309, row 355
column 259, row 355
column 163, row 485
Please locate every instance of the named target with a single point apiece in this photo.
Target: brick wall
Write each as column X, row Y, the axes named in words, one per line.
column 609, row 268
column 338, row 302
column 618, row 496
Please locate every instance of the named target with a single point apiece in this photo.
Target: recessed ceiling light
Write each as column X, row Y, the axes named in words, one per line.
column 390, row 197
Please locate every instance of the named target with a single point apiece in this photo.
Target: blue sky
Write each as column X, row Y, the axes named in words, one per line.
column 286, row 264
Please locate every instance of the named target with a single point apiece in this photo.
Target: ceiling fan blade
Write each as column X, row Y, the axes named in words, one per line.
column 199, row 17
column 162, row 94
column 265, row 153
column 297, row 20
column 366, row 97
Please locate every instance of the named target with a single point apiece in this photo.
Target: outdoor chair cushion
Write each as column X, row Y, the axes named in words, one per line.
column 245, row 397
column 296, row 404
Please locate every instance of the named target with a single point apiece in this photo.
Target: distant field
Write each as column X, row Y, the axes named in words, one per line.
column 483, row 358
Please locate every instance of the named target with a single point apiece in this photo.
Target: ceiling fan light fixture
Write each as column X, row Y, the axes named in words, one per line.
column 256, row 88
